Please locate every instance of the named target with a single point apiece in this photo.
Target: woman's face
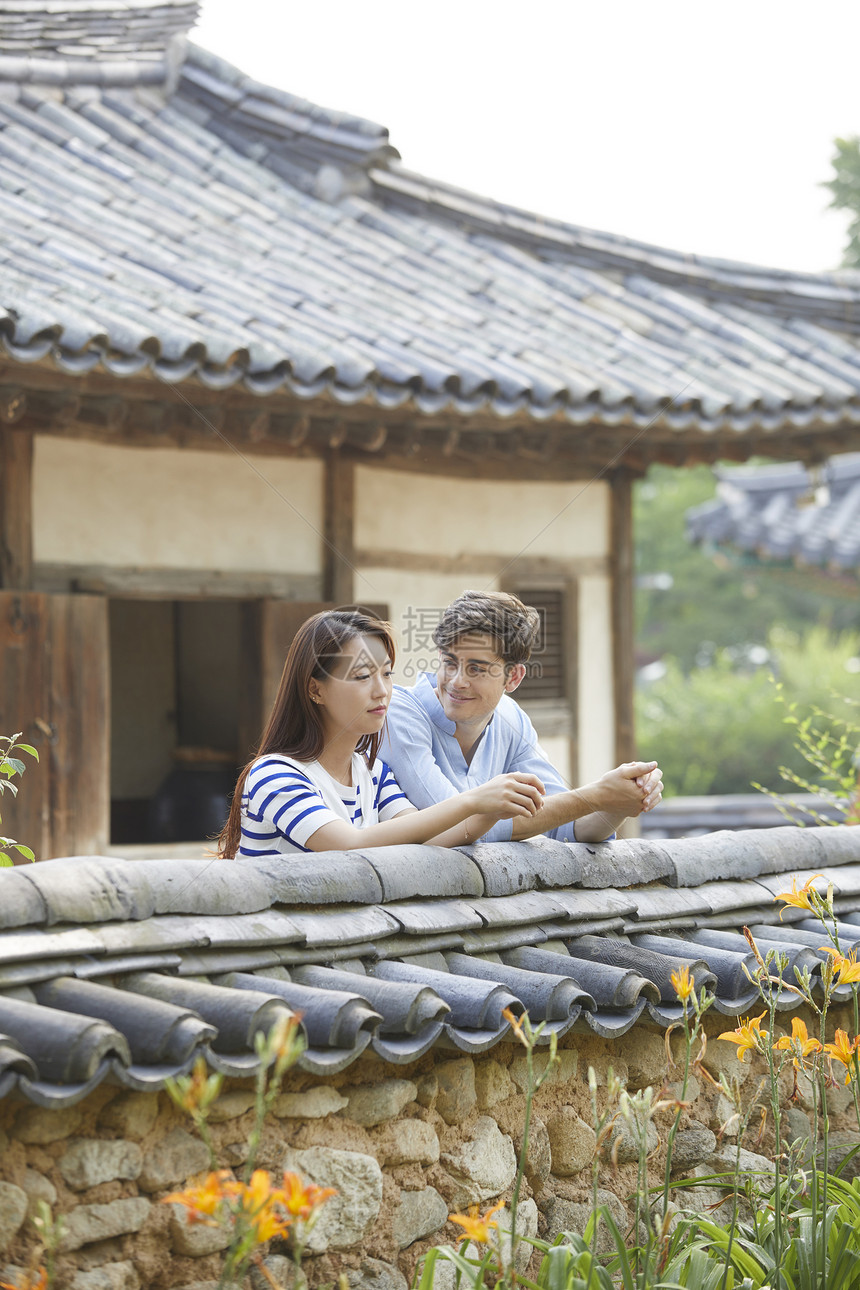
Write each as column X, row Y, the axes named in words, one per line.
column 355, row 695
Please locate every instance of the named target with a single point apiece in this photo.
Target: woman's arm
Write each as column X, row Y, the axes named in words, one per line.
column 505, row 797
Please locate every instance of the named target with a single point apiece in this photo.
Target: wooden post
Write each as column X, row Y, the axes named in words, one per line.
column 623, row 636
column 16, row 509
column 339, row 532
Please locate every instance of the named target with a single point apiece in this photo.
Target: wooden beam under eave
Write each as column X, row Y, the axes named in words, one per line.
column 16, row 509
column 623, row 634
column 339, row 534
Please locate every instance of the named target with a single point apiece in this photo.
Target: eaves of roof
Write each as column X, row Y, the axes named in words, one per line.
column 237, row 235
column 787, row 513
column 130, row 970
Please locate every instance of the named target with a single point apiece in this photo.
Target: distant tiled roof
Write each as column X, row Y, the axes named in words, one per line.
column 786, row 512
column 226, row 230
column 131, row 969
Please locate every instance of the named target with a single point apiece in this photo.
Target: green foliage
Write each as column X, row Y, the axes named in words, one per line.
column 845, row 187
column 715, row 602
column 10, row 766
column 831, row 748
column 720, row 729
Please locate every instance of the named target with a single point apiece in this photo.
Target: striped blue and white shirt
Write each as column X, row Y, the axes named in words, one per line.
column 285, row 801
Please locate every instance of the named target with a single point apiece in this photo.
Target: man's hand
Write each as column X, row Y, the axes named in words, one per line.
column 652, row 786
column 509, row 796
column 627, row 790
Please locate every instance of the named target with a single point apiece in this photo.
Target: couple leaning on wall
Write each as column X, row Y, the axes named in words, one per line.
column 348, row 759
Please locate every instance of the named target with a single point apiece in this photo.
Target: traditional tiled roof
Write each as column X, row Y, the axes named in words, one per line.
column 212, row 227
column 787, row 512
column 130, row 969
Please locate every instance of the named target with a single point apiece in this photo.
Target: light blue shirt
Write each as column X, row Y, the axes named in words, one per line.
column 428, row 763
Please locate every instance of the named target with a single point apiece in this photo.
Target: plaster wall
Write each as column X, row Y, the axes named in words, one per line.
column 596, row 701
column 424, row 513
column 100, row 504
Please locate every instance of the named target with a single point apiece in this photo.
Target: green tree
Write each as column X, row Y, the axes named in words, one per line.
column 845, row 187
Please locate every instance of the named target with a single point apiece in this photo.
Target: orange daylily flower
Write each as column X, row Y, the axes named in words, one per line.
column 749, row 1036
column 258, row 1200
column 299, row 1198
column 516, row 1025
column 682, row 983
column 845, row 965
column 204, row 1201
column 800, row 899
column 799, row 1043
column 843, row 1049
column 33, row 1280
column 476, row 1228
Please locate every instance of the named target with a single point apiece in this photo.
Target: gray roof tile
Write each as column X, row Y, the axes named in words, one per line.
column 131, row 969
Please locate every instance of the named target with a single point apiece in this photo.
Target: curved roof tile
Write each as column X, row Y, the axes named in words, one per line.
column 97, row 982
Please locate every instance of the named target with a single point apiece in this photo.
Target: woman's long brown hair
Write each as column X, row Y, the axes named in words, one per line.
column 294, row 728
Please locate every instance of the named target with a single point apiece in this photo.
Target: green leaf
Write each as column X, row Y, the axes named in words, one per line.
column 25, row 851
column 27, row 748
column 6, row 861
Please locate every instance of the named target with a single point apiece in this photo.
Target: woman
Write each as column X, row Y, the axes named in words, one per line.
column 316, row 783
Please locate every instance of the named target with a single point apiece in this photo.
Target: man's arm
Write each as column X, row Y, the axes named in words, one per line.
column 597, row 808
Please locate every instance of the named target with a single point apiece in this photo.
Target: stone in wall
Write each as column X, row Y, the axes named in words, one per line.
column 572, row 1216
column 645, row 1053
column 628, row 1139
column 564, row 1071
column 371, row 1104
column 131, row 1114
column 13, row 1211
column 418, row 1214
column 37, row 1127
column 571, row 1140
column 178, row 1156
column 428, row 1089
column 314, row 1104
column 691, row 1146
column 90, row 1161
column 492, row 1084
column 374, row 1274
column 538, row 1162
column 194, row 1240
column 89, row 1223
column 484, row 1165
column 230, row 1105
column 111, row 1276
column 345, row 1219
column 456, row 1098
column 407, row 1142
column 38, row 1188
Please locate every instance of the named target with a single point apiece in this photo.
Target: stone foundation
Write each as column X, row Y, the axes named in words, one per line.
column 404, row 1146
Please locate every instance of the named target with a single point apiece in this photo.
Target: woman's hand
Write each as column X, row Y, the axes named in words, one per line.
column 508, row 796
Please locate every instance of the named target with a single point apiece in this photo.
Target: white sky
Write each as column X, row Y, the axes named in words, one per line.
column 701, row 126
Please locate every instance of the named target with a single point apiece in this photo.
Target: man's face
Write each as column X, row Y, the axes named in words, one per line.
column 472, row 677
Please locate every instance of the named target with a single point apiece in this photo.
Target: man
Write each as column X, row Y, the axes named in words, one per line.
column 461, row 727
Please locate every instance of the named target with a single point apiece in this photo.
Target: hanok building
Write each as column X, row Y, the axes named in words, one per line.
column 252, row 365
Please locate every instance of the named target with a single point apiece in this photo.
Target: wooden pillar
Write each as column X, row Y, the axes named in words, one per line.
column 16, row 508
column 623, row 634
column 339, row 553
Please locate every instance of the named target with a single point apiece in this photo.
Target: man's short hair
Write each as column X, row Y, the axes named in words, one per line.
column 513, row 626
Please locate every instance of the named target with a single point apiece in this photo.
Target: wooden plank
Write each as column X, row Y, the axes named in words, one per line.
column 623, row 632
column 339, row 553
column 55, row 688
column 531, row 569
column 175, row 584
column 16, row 508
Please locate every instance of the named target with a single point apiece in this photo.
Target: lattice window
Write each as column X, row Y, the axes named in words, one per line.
column 547, row 674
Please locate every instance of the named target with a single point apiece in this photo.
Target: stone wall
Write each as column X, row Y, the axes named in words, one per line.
column 404, row 1146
